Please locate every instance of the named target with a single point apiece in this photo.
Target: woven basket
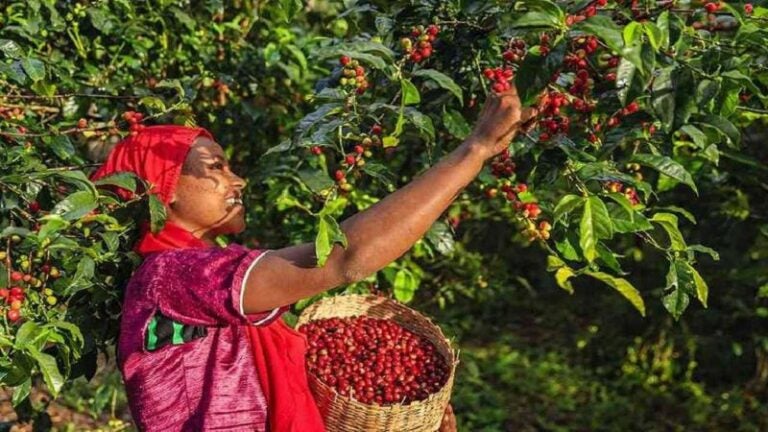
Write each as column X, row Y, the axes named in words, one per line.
column 342, row 413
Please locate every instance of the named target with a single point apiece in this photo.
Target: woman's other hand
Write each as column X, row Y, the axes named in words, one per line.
column 449, row 421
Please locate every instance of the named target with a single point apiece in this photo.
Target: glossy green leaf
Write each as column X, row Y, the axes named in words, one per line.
column 75, row 205
column 623, row 286
column 563, row 276
column 125, row 180
column 328, row 234
column 702, row 290
column 410, row 92
column 456, row 124
column 567, row 204
column 51, row 374
column 442, row 80
column 34, row 68
column 595, row 224
column 666, row 166
column 405, row 285
column 668, row 222
column 157, row 213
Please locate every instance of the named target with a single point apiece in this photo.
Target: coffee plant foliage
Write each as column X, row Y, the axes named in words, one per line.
column 328, row 107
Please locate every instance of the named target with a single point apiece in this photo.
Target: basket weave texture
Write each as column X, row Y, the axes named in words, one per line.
column 344, row 414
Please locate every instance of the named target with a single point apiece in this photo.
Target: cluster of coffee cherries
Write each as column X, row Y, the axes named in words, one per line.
column 515, row 52
column 502, row 165
column 353, row 75
column 134, row 120
column 588, row 11
column 375, row 361
column 535, row 232
column 500, row 77
column 530, row 211
column 15, row 295
column 419, row 45
column 615, row 120
column 617, row 187
column 355, row 158
column 551, row 122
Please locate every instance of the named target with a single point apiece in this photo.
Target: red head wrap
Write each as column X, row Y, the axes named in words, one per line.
column 156, row 154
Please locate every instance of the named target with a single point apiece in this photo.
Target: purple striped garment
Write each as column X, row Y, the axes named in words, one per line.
column 209, row 383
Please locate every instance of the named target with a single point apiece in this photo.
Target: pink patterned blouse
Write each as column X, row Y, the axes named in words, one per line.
column 183, row 348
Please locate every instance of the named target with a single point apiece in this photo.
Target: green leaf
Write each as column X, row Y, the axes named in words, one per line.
column 608, row 257
column 663, row 97
column 654, row 34
column 595, row 224
column 702, row 290
column 34, row 68
column 53, row 224
column 405, row 285
column 535, row 72
column 703, row 249
column 315, row 180
column 21, row 392
column 628, row 84
column 723, row 125
column 328, row 233
column 153, row 103
column 699, row 138
column 410, row 92
column 675, row 302
column 83, row 277
column 668, row 222
column 75, row 205
column 679, row 210
column 157, row 213
column 422, row 122
column 439, row 235
column 390, row 141
column 124, row 180
column 563, row 276
column 537, row 19
column 603, row 27
column 632, row 32
column 15, row 71
column 443, row 80
column 50, row 370
column 662, row 23
column 26, row 334
column 456, row 124
column 666, row 166
column 623, row 287
column 10, row 48
column 567, row 204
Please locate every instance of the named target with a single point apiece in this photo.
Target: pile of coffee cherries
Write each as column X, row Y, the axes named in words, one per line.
column 375, row 361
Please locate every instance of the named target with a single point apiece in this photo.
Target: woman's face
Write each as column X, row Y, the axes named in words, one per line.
column 208, row 196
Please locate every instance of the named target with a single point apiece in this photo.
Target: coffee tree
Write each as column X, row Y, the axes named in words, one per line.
column 635, row 99
column 639, row 104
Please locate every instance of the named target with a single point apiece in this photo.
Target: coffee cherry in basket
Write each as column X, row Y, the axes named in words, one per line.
column 375, row 361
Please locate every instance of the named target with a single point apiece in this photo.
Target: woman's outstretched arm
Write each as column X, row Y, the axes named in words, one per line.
column 388, row 229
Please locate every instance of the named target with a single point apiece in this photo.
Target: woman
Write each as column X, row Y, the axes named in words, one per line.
column 201, row 344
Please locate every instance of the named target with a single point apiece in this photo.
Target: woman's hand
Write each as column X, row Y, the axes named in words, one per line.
column 449, row 421
column 499, row 121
